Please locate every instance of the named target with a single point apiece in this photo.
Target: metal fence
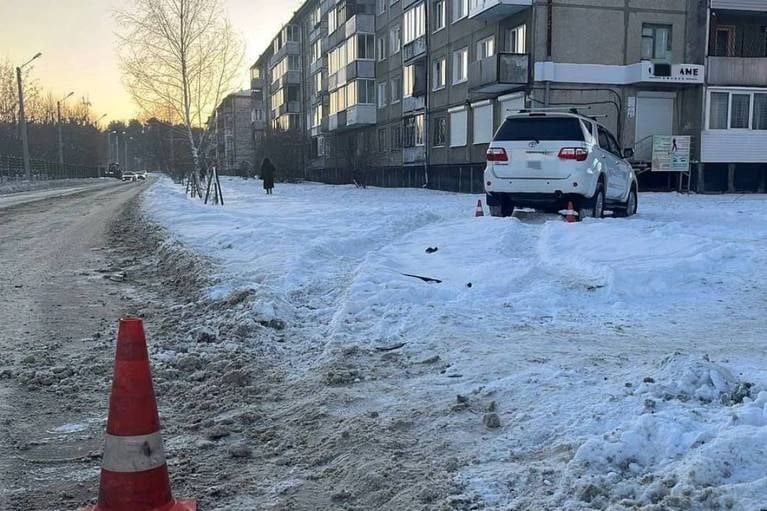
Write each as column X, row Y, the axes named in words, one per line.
column 12, row 169
column 450, row 178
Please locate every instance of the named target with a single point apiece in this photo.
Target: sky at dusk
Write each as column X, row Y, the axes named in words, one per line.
column 77, row 40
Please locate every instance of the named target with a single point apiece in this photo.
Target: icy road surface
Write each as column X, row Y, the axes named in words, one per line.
column 625, row 359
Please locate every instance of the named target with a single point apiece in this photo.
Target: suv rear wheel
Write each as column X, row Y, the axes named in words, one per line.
column 500, row 206
column 595, row 206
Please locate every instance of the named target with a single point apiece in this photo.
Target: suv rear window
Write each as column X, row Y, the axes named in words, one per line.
column 540, row 128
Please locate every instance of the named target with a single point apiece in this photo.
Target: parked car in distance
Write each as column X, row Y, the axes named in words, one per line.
column 545, row 160
column 141, row 175
column 129, row 176
column 114, row 171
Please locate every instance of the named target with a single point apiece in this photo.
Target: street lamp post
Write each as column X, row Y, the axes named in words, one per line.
column 23, row 120
column 125, row 146
column 61, row 140
column 115, row 150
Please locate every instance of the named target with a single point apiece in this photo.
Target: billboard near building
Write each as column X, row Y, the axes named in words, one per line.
column 671, row 153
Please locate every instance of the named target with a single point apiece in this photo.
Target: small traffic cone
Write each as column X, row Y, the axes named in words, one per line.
column 479, row 211
column 134, row 475
column 571, row 215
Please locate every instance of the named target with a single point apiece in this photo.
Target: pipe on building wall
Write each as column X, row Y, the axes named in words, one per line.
column 549, row 44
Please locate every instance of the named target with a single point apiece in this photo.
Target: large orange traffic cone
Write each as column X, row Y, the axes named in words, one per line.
column 134, row 476
column 571, row 215
column 479, row 211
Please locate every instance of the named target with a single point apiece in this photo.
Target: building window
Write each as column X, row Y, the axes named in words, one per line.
column 516, row 39
column 440, row 132
column 439, row 15
column 396, row 90
column 408, row 81
column 656, row 42
column 483, row 123
column 382, row 6
column 414, row 131
column 439, row 73
column 381, row 49
column 395, row 40
column 332, row 21
column 460, row 65
column 317, row 79
column 366, row 92
column 381, row 140
column 741, row 110
column 719, row 112
column 724, row 41
column 317, row 50
column 458, row 127
column 760, row 111
column 460, row 9
column 381, row 94
column 414, row 21
column 486, row 48
column 396, row 138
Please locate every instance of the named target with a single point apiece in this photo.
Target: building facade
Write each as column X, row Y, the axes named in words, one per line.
column 416, row 88
column 232, row 130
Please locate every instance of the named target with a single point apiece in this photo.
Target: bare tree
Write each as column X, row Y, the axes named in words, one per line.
column 179, row 56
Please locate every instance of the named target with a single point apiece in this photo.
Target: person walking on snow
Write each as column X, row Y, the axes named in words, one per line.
column 267, row 175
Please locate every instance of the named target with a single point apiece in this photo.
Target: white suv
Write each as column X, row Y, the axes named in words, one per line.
column 544, row 160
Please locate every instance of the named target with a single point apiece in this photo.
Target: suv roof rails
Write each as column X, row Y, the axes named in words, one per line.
column 572, row 109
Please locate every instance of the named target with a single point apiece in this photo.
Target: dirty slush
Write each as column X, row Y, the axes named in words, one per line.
column 231, row 418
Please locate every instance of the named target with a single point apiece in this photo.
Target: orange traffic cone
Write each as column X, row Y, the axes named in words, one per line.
column 479, row 211
column 134, row 476
column 571, row 215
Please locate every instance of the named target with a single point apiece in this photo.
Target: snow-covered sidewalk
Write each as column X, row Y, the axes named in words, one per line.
column 625, row 358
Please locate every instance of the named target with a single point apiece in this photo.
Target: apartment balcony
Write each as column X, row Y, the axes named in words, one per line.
column 495, row 9
column 500, row 73
column 290, row 107
column 411, row 155
column 289, row 78
column 319, row 130
column 256, row 83
column 316, row 66
column 353, row 117
column 357, row 69
column 737, row 71
column 289, row 48
column 320, row 97
column 413, row 103
column 316, row 33
column 357, row 24
column 414, row 50
column 740, row 5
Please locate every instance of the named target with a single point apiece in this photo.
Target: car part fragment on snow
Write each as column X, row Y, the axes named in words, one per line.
column 431, row 250
column 428, row 280
column 390, row 348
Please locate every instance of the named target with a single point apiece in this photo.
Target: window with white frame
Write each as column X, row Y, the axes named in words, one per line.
column 317, row 80
column 460, row 9
column 439, row 15
column 486, row 48
column 396, row 90
column 414, row 135
column 460, row 65
column 381, row 94
column 516, row 39
column 656, row 42
column 317, row 50
column 395, row 39
column 408, row 81
column 414, row 22
column 381, row 49
column 483, row 122
column 382, row 6
column 458, row 127
column 739, row 109
column 439, row 74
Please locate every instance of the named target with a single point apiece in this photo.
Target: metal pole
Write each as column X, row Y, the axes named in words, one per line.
column 24, row 134
column 125, row 144
column 61, row 141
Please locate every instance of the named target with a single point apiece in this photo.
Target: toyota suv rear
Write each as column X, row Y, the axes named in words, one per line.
column 547, row 160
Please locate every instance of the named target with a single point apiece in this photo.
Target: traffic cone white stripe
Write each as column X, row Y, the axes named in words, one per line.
column 127, row 454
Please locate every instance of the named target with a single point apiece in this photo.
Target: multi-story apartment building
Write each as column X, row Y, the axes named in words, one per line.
column 232, row 123
column 734, row 139
column 423, row 84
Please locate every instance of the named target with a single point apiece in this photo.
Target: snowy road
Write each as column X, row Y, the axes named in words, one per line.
column 16, row 199
column 625, row 359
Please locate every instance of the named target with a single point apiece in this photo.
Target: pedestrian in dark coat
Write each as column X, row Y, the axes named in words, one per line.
column 267, row 175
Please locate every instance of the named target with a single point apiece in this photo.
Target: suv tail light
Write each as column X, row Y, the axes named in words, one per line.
column 573, row 153
column 497, row 154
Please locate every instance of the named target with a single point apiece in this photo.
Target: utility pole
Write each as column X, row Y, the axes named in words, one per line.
column 61, row 140
column 125, row 144
column 23, row 120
